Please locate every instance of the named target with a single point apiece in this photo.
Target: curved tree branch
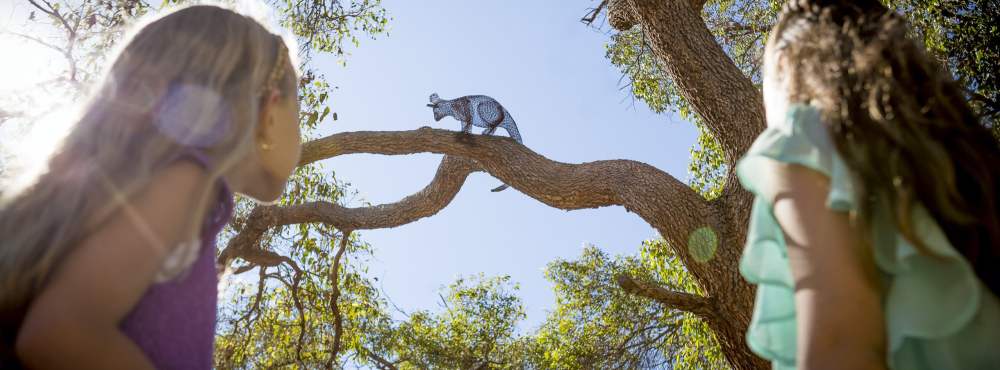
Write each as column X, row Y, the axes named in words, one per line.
column 566, row 186
column 450, row 176
column 667, row 204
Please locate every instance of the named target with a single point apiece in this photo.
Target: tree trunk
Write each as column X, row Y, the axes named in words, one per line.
column 732, row 109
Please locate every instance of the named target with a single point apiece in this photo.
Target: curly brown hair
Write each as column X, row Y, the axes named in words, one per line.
column 898, row 119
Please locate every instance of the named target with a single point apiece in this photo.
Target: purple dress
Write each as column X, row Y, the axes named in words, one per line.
column 174, row 322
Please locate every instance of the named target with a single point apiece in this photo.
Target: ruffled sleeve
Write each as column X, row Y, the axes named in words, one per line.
column 928, row 299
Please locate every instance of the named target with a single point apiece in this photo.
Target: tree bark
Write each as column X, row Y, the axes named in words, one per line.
column 435, row 196
column 654, row 195
column 726, row 100
column 732, row 109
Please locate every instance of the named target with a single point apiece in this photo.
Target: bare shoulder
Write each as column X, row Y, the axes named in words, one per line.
column 105, row 274
column 785, row 179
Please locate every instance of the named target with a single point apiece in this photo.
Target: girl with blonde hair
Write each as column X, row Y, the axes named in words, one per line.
column 108, row 257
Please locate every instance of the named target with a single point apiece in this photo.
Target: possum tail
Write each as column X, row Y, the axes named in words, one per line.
column 511, row 129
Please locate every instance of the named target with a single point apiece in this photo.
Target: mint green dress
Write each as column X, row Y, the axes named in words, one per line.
column 938, row 314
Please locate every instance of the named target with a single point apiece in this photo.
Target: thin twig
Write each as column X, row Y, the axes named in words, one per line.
column 338, row 320
column 594, row 13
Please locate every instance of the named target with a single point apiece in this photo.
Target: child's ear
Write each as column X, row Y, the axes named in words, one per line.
column 265, row 121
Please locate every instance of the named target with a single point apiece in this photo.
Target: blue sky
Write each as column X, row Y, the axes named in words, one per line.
column 549, row 71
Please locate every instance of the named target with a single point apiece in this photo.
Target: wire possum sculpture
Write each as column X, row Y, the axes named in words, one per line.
column 476, row 110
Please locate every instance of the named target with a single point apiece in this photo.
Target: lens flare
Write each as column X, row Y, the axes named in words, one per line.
column 702, row 244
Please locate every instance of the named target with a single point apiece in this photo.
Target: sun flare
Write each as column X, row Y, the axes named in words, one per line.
column 35, row 112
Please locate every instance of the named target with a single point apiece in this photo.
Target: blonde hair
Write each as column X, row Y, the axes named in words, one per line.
column 190, row 78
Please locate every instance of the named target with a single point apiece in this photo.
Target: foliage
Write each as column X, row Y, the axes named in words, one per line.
column 964, row 36
column 598, row 325
column 474, row 330
column 324, row 26
column 285, row 317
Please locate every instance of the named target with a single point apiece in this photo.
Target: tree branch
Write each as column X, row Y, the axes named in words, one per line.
column 338, row 319
column 667, row 204
column 379, row 360
column 698, row 305
column 592, row 14
column 254, row 309
column 450, row 176
column 561, row 185
column 294, row 290
column 66, row 54
column 620, row 17
column 7, row 115
column 71, row 35
column 51, row 11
